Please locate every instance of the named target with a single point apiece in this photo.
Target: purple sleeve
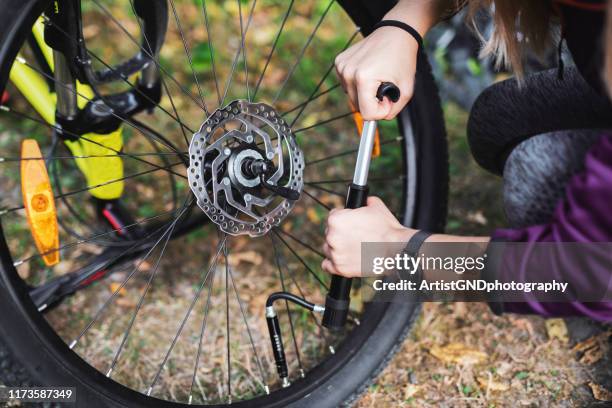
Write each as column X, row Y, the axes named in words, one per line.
column 585, row 215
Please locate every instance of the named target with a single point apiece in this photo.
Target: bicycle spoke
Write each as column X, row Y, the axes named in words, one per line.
column 302, row 243
column 302, row 52
column 246, row 323
column 93, row 237
column 327, row 190
column 274, row 45
column 152, row 276
column 82, row 190
column 201, row 337
column 321, row 331
column 148, row 54
column 211, row 50
column 237, row 55
column 284, row 289
column 155, row 136
column 188, row 54
column 118, row 152
column 82, row 275
column 320, row 94
column 110, row 110
column 183, row 127
column 348, row 152
column 293, row 251
column 168, row 232
column 321, row 203
column 324, row 122
column 195, row 299
column 314, row 92
column 243, row 46
column 227, row 329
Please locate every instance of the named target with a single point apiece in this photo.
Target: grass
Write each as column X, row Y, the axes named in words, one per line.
column 414, row 378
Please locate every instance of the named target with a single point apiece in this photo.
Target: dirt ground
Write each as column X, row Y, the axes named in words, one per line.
column 462, row 355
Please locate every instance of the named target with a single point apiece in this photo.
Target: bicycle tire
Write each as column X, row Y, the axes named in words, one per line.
column 46, row 360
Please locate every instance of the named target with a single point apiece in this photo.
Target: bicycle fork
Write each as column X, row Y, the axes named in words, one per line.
column 337, row 302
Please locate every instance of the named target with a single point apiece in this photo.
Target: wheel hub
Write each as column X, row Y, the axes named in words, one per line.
column 239, row 167
column 243, row 162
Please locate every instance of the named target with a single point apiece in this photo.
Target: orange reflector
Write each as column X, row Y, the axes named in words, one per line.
column 358, row 119
column 39, row 202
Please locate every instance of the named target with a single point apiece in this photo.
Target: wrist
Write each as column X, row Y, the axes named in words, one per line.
column 397, row 238
column 473, row 245
column 420, row 17
column 401, row 234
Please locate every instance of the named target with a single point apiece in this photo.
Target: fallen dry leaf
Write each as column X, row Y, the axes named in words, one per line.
column 458, row 353
column 591, row 350
column 592, row 355
column 411, row 390
column 313, row 216
column 24, row 270
column 247, row 256
column 557, row 329
column 600, row 393
column 585, row 345
column 62, row 268
column 493, row 385
column 125, row 302
column 114, row 286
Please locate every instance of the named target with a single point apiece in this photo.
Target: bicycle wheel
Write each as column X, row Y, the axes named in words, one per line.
column 174, row 314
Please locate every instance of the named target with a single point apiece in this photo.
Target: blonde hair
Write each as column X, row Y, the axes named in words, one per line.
column 518, row 24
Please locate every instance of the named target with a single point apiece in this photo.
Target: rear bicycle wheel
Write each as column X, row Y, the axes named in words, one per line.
column 173, row 333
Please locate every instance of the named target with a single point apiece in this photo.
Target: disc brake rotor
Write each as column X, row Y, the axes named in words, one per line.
column 228, row 142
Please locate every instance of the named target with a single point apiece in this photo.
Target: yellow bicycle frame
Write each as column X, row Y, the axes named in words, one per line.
column 98, row 161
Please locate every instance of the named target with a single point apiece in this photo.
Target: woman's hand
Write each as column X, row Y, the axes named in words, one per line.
column 387, row 55
column 347, row 229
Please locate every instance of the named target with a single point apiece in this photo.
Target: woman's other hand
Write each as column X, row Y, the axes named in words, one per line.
column 389, row 54
column 347, row 229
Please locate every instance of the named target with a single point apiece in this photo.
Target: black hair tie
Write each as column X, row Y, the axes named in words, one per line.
column 401, row 25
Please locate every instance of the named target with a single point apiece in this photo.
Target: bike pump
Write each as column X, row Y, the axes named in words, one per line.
column 338, row 299
column 339, row 296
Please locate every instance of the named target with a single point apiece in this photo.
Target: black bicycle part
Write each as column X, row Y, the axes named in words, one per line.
column 274, row 329
column 263, row 168
column 66, row 24
column 338, row 299
column 389, row 90
column 44, row 354
column 114, row 214
column 51, row 293
column 103, row 115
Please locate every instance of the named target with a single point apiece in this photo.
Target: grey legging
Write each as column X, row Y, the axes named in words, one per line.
column 537, row 170
column 536, row 135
